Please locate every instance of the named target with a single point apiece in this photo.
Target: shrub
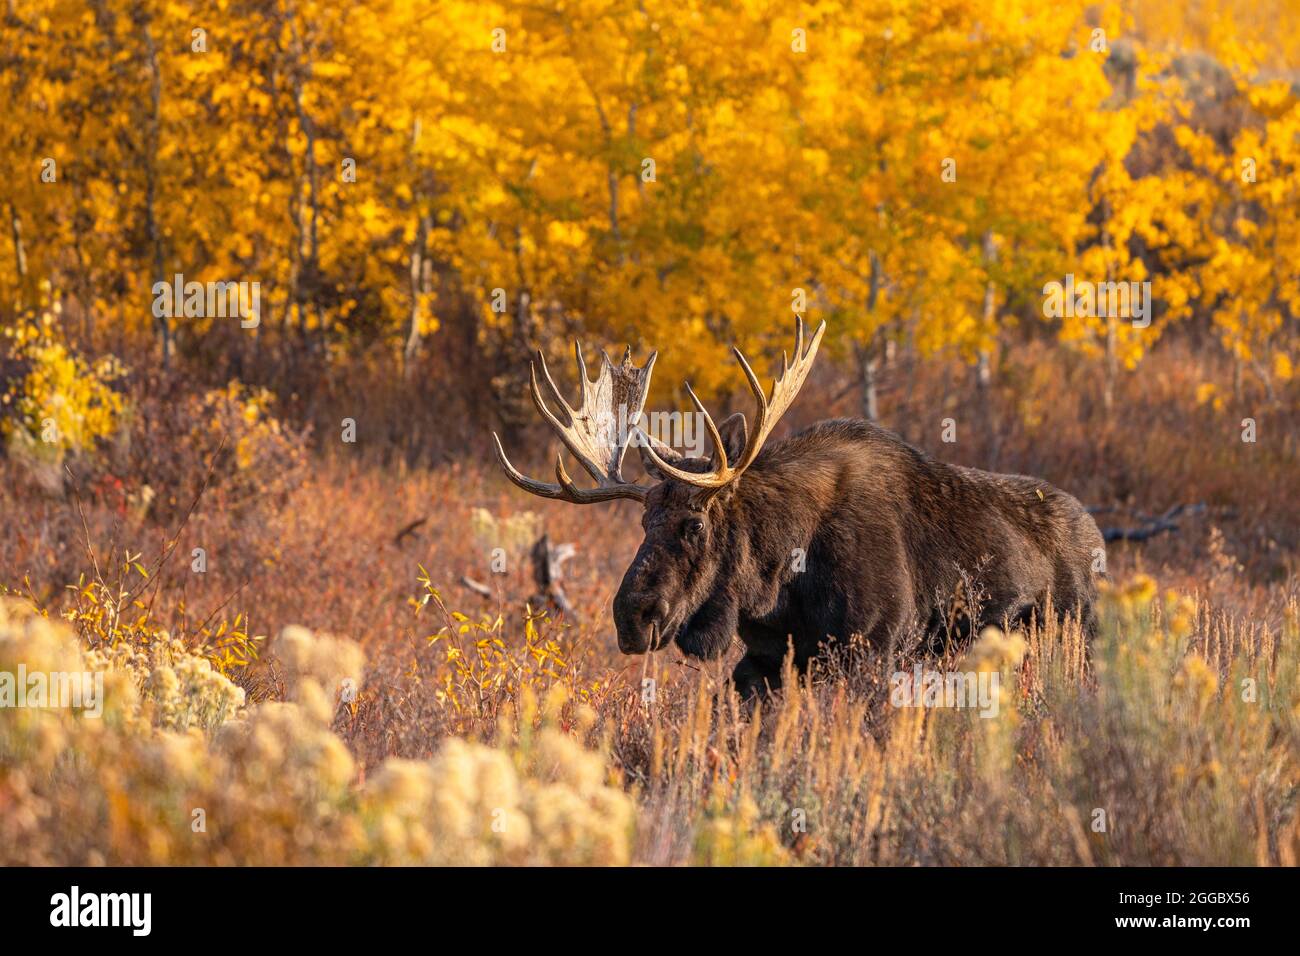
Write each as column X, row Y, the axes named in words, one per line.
column 178, row 770
column 53, row 401
column 228, row 437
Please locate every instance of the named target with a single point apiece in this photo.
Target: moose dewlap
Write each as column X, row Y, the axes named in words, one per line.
column 841, row 529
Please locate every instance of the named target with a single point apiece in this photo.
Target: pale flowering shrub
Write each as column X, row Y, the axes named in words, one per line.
column 576, row 816
column 28, row 638
column 996, row 650
column 460, row 807
column 544, row 801
column 320, row 670
column 112, row 787
column 31, row 736
column 179, row 770
column 177, row 689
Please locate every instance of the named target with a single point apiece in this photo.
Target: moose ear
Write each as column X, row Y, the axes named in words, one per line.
column 664, row 451
column 734, row 434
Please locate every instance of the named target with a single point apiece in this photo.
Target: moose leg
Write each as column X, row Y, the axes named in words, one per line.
column 755, row 676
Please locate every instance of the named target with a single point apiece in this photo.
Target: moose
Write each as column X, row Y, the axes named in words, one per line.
column 842, row 529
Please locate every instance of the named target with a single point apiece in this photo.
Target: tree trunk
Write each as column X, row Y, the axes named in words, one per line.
column 419, row 285
column 20, row 254
column 151, row 188
column 419, row 266
column 867, row 366
column 984, row 361
column 1112, row 321
column 866, row 352
column 1112, row 363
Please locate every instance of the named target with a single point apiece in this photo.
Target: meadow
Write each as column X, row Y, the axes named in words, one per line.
column 485, row 730
column 277, row 531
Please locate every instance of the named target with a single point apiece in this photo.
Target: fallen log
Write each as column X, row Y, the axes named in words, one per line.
column 548, row 574
column 1151, row 525
column 409, row 529
column 482, row 590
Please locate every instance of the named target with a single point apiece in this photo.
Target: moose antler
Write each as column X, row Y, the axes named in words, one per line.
column 591, row 432
column 784, row 389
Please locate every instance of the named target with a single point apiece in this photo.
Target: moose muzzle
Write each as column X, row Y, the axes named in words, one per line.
column 641, row 620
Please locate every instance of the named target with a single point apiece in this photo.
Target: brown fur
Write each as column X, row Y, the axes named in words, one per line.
column 889, row 538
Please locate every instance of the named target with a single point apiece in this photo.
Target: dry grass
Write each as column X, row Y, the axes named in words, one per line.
column 469, row 713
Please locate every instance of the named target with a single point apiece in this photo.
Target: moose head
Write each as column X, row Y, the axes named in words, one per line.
column 683, row 583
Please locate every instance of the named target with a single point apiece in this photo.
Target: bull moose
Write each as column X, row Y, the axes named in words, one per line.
column 842, row 529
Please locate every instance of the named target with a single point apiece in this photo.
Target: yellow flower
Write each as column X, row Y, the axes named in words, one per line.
column 1197, row 680
column 1139, row 591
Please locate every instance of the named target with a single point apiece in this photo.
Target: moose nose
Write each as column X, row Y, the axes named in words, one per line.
column 653, row 612
column 656, row 619
column 637, row 629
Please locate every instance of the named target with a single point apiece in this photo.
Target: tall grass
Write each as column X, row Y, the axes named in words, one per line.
column 441, row 726
column 1173, row 739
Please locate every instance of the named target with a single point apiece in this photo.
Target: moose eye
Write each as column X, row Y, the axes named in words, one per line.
column 692, row 526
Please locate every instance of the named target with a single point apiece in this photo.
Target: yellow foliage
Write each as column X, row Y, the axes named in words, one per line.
column 735, row 836
column 60, row 402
